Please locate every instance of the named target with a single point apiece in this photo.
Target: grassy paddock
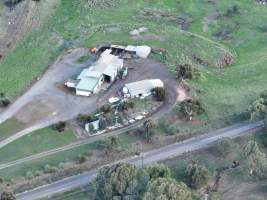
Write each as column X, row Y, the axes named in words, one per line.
column 19, row 150
column 39, row 141
column 10, row 127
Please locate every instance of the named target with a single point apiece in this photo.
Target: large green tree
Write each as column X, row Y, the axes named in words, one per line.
column 198, row 175
column 158, row 171
column 149, row 129
column 166, row 189
column 258, row 109
column 119, row 181
column 255, row 160
column 7, row 195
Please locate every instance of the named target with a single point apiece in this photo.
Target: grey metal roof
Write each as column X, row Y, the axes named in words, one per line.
column 87, row 84
column 143, row 87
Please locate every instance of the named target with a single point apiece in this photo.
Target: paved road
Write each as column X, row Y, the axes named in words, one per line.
column 145, row 159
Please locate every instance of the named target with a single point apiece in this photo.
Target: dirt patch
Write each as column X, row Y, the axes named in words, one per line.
column 241, row 191
column 36, row 111
column 148, row 36
column 47, row 101
column 184, row 20
column 182, row 94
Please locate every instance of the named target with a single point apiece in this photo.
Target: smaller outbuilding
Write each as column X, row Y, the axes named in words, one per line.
column 141, row 88
column 92, row 126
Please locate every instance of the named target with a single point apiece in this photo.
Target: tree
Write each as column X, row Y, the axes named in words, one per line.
column 106, row 108
column 258, row 109
column 119, row 181
column 184, row 71
column 102, row 123
column 223, row 147
column 191, row 107
column 255, row 160
column 158, row 171
column 198, row 175
column 7, row 195
column 166, row 189
column 159, row 93
column 60, row 126
column 126, row 105
column 108, row 145
column 148, row 129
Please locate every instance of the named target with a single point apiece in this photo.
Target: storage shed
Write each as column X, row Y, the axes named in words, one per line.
column 141, row 88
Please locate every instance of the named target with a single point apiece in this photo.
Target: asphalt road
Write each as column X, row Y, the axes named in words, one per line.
column 147, row 158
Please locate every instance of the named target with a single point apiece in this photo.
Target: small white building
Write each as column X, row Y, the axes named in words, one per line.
column 141, row 88
column 94, row 124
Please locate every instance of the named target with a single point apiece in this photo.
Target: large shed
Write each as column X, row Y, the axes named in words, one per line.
column 141, row 88
column 105, row 69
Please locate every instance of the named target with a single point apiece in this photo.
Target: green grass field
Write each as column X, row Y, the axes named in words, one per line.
column 36, row 142
column 24, row 147
column 10, row 127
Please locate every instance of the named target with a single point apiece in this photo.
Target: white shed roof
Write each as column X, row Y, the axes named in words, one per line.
column 143, row 87
column 141, row 51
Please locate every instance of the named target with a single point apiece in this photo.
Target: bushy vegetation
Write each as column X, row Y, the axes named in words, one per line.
column 190, row 108
column 258, row 109
column 7, row 195
column 126, row 181
column 198, row 175
column 256, row 160
column 159, row 93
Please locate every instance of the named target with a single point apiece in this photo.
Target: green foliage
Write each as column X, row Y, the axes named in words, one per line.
column 159, row 93
column 108, row 145
column 258, row 109
column 255, row 160
column 102, row 123
column 106, row 108
column 82, row 119
column 190, row 108
column 7, row 195
column 198, row 175
column 126, row 105
column 149, row 129
column 12, row 2
column 4, row 101
column 158, row 171
column 60, row 126
column 119, row 181
column 223, row 147
column 166, row 189
column 110, row 118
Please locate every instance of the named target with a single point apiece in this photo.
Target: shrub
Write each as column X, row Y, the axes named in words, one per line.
column 198, row 175
column 106, row 108
column 126, row 105
column 159, row 93
column 102, row 123
column 82, row 159
column 223, row 147
column 60, row 126
column 190, row 108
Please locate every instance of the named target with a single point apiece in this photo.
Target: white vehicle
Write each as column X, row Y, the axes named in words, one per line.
column 144, row 113
column 139, row 117
column 131, row 121
column 113, row 100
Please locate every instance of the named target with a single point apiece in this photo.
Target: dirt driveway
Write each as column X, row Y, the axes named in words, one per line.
column 48, row 100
